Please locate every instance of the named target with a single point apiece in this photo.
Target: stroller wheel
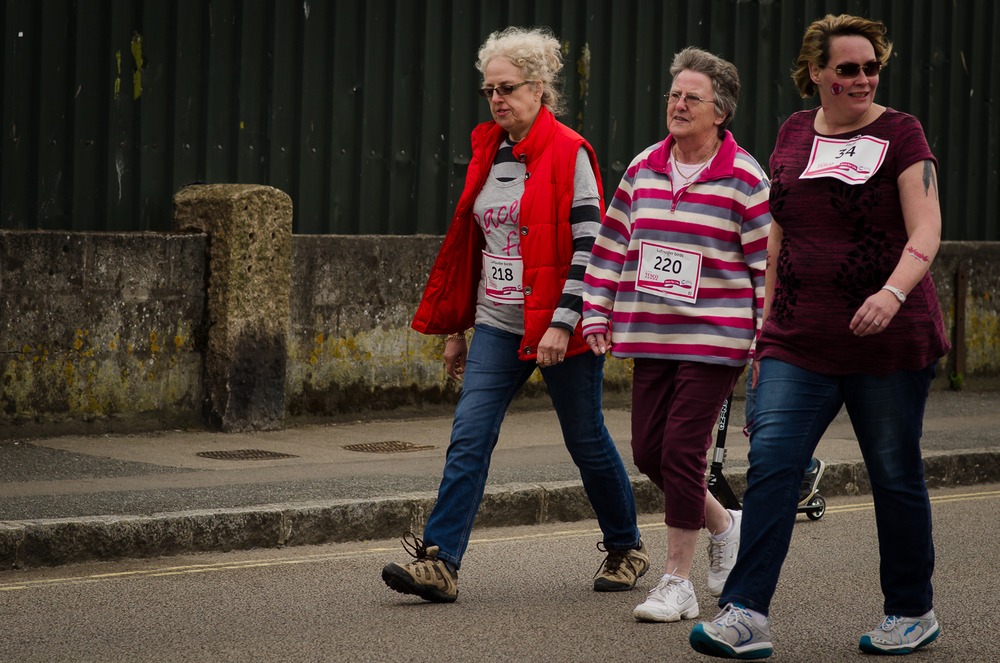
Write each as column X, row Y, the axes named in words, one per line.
column 817, row 507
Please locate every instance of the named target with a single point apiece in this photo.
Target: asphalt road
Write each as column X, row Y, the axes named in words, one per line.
column 524, row 595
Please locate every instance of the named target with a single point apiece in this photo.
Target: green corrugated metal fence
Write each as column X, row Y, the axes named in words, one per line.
column 361, row 111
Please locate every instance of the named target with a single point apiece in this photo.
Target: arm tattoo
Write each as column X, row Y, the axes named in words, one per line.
column 916, row 254
column 930, row 179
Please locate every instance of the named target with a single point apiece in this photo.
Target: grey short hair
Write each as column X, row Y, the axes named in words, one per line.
column 725, row 80
column 537, row 55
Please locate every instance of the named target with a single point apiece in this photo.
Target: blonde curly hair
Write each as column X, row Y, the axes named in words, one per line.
column 536, row 54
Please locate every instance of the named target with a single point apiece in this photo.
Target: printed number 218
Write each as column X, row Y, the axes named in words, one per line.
column 503, row 274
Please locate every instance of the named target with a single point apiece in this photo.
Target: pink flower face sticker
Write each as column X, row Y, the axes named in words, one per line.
column 836, row 88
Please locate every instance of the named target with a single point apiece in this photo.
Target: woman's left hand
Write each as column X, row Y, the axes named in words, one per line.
column 875, row 314
column 552, row 347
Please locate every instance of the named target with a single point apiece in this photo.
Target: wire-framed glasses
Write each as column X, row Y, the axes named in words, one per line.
column 692, row 100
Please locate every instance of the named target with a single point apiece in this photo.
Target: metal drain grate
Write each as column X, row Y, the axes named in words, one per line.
column 389, row 447
column 243, row 454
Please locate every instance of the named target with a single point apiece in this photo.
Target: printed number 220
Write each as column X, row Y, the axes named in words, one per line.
column 668, row 265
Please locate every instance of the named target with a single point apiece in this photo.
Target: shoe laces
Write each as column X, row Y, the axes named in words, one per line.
column 415, row 546
column 733, row 615
column 716, row 551
column 613, row 561
column 663, row 586
column 888, row 623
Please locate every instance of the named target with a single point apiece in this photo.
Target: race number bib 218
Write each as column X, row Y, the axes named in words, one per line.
column 503, row 278
column 851, row 160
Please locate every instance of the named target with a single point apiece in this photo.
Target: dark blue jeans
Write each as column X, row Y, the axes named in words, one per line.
column 793, row 409
column 750, row 405
column 493, row 375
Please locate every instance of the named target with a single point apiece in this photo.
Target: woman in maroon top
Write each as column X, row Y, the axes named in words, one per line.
column 851, row 318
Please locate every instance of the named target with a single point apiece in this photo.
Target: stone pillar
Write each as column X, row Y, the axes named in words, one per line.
column 250, row 251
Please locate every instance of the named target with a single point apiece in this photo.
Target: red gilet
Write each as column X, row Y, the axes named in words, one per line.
column 549, row 150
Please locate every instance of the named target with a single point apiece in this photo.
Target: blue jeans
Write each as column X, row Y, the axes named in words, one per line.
column 493, row 375
column 794, row 407
column 750, row 406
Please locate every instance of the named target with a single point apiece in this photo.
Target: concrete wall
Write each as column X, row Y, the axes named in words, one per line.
column 350, row 342
column 981, row 261
column 350, row 346
column 100, row 328
column 107, row 332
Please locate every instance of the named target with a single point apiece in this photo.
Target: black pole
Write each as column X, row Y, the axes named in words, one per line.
column 717, row 483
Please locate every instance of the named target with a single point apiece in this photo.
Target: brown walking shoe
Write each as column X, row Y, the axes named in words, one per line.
column 427, row 577
column 620, row 569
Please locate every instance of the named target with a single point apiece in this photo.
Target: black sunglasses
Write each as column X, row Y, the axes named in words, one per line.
column 502, row 90
column 851, row 69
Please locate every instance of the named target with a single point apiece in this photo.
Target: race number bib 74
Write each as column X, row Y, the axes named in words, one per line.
column 503, row 278
column 667, row 271
column 851, row 160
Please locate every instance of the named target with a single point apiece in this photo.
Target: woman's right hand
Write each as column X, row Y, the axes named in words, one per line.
column 455, row 352
column 599, row 343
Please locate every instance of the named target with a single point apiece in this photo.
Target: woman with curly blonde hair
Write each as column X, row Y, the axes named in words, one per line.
column 511, row 267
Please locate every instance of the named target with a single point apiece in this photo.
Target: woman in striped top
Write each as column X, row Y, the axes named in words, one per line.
column 676, row 282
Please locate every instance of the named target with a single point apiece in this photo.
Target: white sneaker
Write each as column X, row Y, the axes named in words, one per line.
column 734, row 633
column 901, row 635
column 669, row 601
column 722, row 555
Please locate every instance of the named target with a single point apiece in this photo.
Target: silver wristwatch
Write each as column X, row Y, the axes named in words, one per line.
column 900, row 295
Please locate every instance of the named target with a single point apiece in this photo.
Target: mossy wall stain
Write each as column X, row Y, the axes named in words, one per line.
column 982, row 332
column 95, row 375
column 385, row 367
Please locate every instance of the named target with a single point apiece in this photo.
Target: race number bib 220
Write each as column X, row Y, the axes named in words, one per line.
column 851, row 160
column 667, row 271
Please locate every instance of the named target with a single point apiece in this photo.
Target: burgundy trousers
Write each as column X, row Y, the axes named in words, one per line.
column 675, row 406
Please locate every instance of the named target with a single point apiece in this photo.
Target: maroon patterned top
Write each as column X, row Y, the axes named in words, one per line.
column 841, row 243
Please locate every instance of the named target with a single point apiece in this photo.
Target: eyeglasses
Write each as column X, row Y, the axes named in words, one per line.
column 691, row 100
column 851, row 69
column 502, row 90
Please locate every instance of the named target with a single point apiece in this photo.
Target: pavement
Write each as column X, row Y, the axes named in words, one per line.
column 83, row 498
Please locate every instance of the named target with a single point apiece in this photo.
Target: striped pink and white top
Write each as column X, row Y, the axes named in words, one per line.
column 718, row 225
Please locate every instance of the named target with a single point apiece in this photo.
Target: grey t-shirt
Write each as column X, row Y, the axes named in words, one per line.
column 497, row 211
